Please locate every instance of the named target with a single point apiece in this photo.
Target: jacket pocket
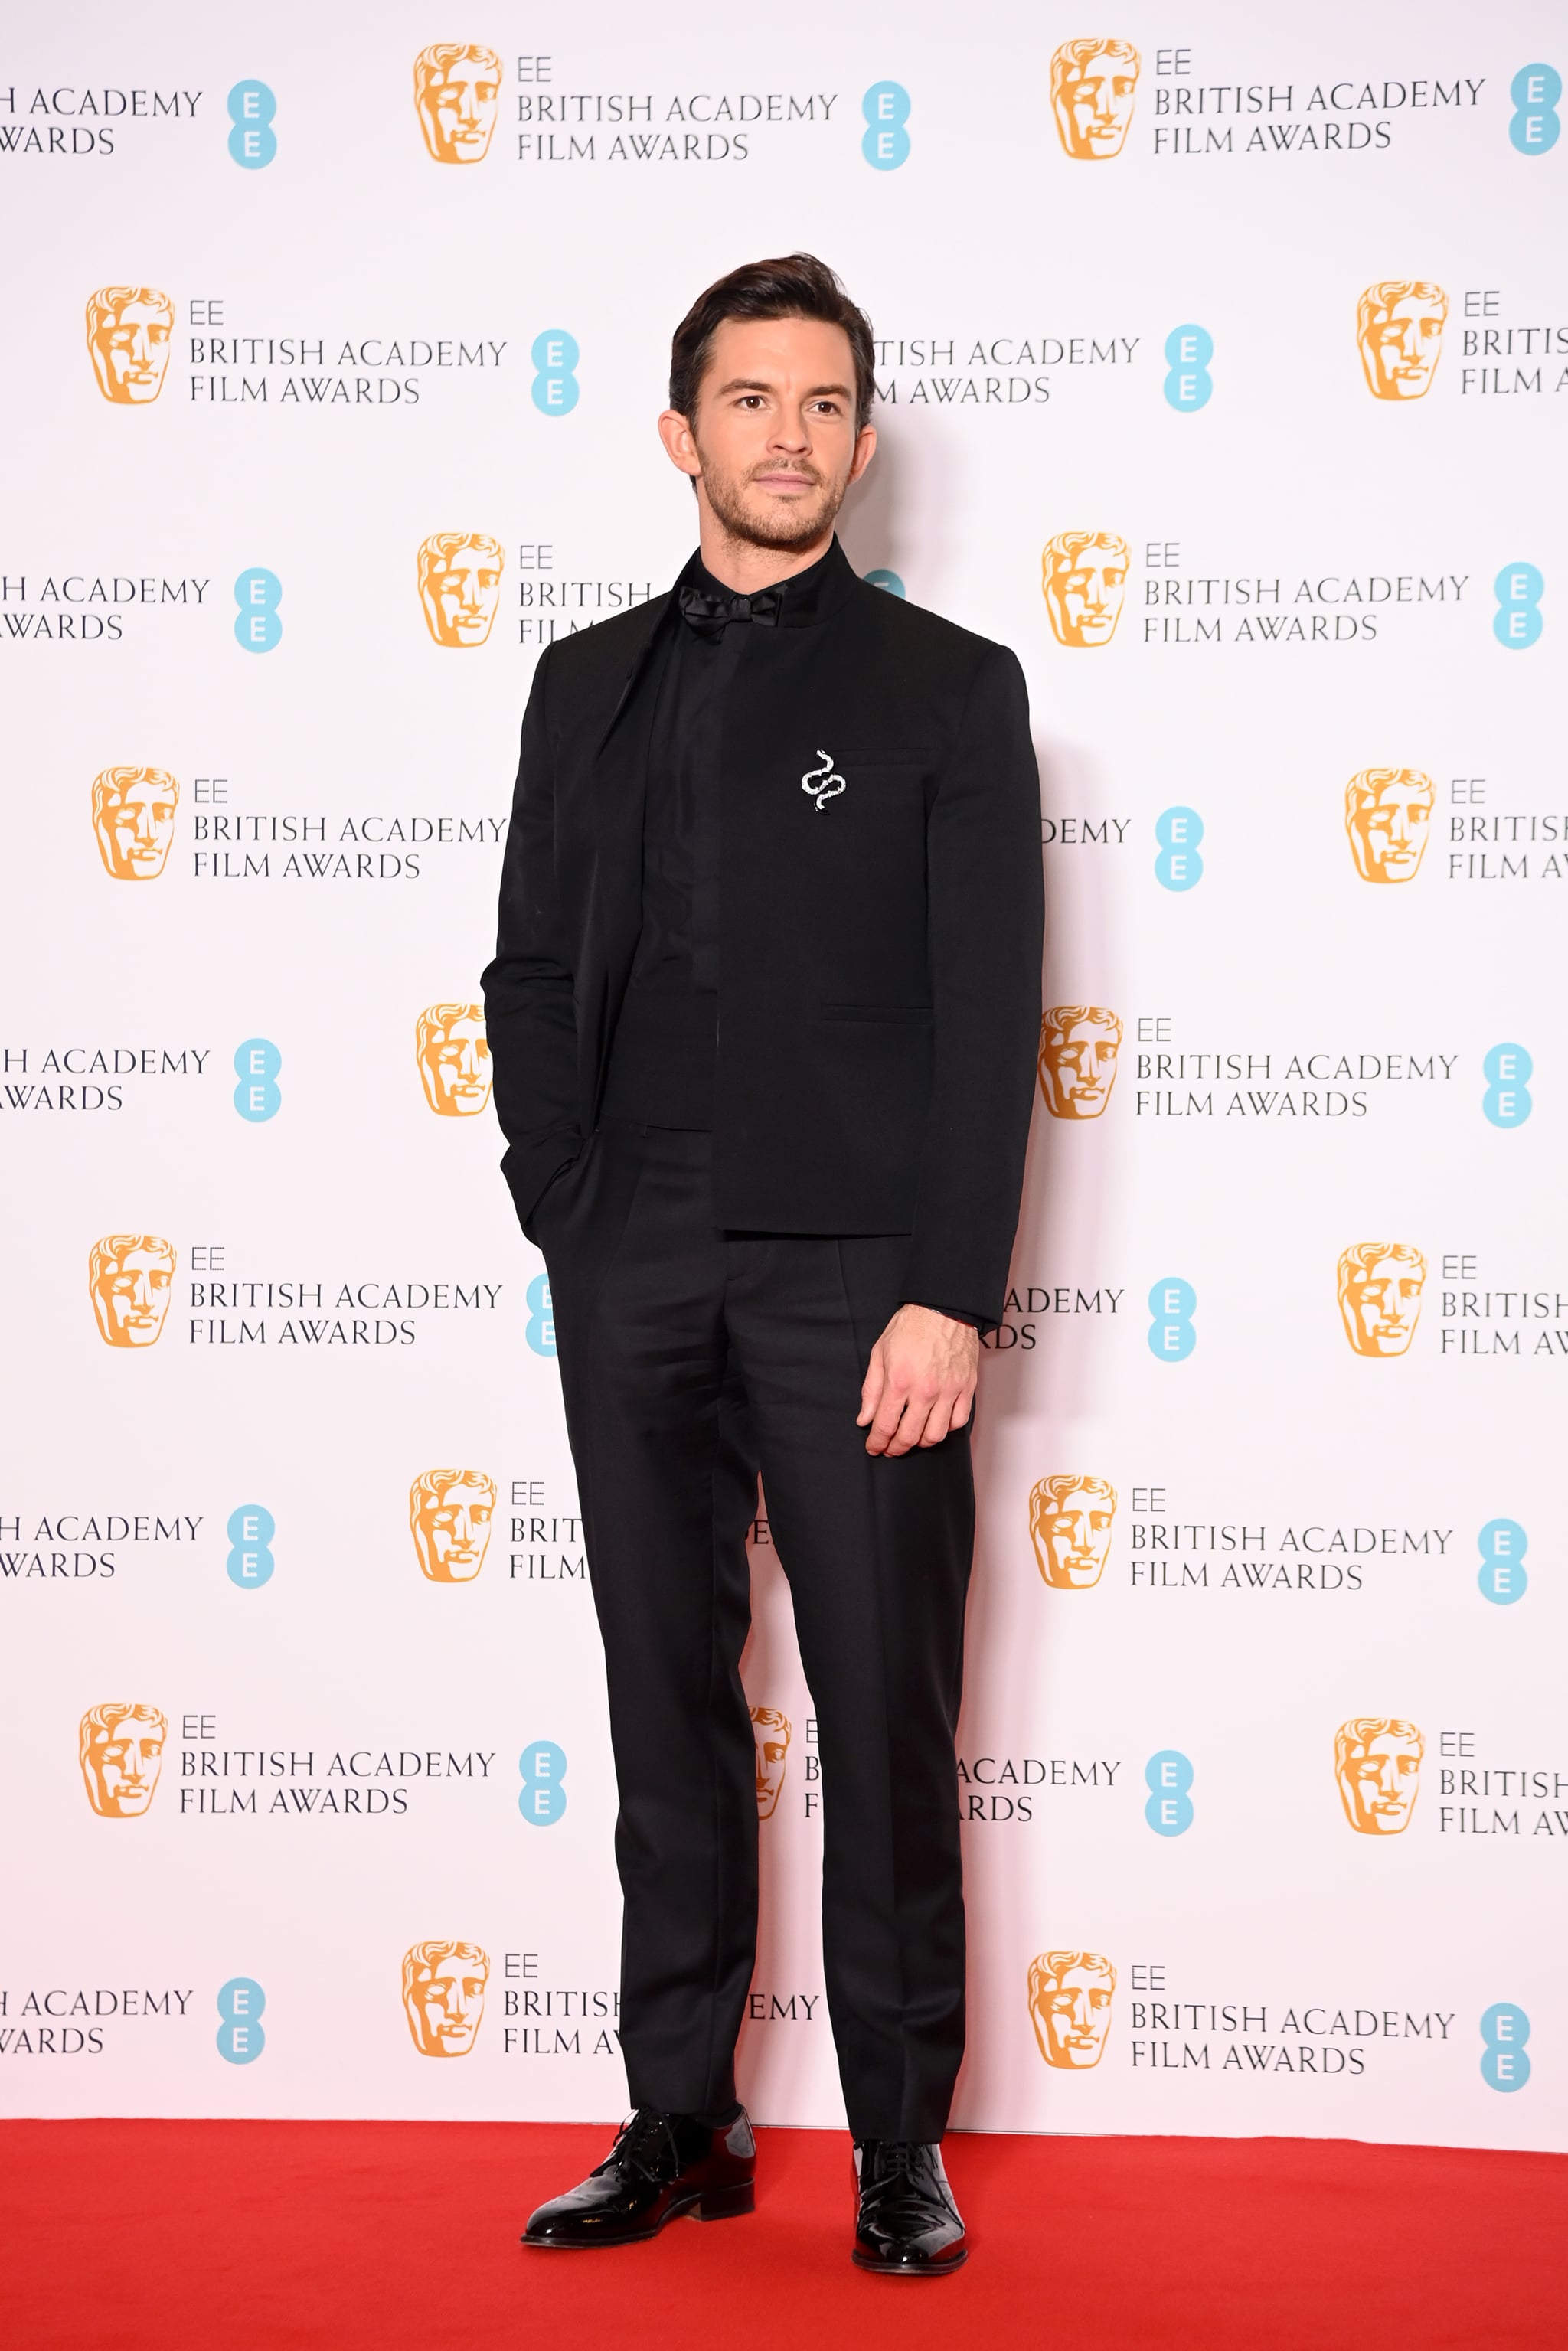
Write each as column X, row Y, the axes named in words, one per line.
column 921, row 1013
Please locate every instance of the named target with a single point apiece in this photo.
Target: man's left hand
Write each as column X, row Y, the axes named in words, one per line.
column 920, row 1381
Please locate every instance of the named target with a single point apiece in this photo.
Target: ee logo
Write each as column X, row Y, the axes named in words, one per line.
column 1503, row 1543
column 542, row 1799
column 1168, row 1776
column 1535, row 90
column 1171, row 1335
column 1505, row 2028
column 240, row 2037
column 256, row 625
column 1506, row 1100
column 888, row 579
column 1178, row 865
column 256, row 1064
column 253, row 142
column 1188, row 350
column 250, row 1561
column 886, row 107
column 555, row 355
column 1517, row 622
column 540, row 1333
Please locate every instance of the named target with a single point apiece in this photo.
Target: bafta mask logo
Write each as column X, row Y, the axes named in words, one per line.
column 771, row 1731
column 1079, row 1044
column 134, row 819
column 451, row 1512
column 460, row 585
column 1388, row 815
column 1069, row 2001
column 1070, row 1523
column 129, row 329
column 122, row 1756
column 454, row 1059
column 1083, row 578
column 444, row 1996
column 456, row 90
column 1380, row 1285
column 131, row 1276
column 1093, row 84
column 1377, row 1763
column 1399, row 327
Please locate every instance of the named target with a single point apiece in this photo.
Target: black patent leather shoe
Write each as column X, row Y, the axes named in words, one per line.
column 660, row 2167
column 907, row 2223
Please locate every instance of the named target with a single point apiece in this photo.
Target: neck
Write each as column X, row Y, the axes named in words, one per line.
column 740, row 564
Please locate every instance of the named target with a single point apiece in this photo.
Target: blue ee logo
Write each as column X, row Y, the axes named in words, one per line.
column 250, row 1562
column 540, row 1333
column 888, row 579
column 886, row 107
column 1535, row 90
column 555, row 355
column 1168, row 1776
column 1506, row 1100
column 1178, row 865
column 1188, row 350
column 1171, row 1335
column 256, row 1064
column 1503, row 1543
column 256, row 625
column 542, row 1799
column 1505, row 2028
column 253, row 142
column 240, row 2037
column 1517, row 622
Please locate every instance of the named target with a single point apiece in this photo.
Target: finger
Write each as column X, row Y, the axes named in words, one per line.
column 963, row 1408
column 871, row 1387
column 938, row 1421
column 907, row 1435
column 889, row 1413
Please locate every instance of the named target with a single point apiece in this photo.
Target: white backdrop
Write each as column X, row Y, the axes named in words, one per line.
column 1272, row 318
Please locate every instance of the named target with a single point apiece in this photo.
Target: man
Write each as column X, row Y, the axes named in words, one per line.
column 1069, row 1521
column 1388, row 816
column 1377, row 1763
column 763, row 1019
column 122, row 1756
column 1070, row 1995
column 1380, row 1285
column 129, row 332
column 1079, row 1044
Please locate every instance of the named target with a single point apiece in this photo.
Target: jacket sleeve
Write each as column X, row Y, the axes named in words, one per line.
column 530, row 1017
column 985, row 901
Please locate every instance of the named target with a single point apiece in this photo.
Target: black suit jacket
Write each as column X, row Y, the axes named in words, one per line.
column 880, row 942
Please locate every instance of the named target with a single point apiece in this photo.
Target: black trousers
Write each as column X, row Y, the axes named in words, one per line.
column 689, row 1360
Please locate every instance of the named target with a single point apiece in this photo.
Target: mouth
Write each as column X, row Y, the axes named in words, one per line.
column 784, row 484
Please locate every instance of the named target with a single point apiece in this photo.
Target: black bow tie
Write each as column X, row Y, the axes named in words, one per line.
column 710, row 615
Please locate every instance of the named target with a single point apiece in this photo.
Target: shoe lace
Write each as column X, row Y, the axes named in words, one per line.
column 645, row 2143
column 903, row 2178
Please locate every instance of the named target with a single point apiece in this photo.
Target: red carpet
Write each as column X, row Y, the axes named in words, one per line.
column 148, row 2236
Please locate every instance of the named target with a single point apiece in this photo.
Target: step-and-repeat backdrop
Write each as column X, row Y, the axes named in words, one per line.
column 1222, row 371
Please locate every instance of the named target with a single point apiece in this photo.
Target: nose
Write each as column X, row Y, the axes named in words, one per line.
column 140, row 344
column 141, row 1291
column 468, row 1060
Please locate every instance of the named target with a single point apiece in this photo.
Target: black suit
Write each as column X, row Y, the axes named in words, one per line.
column 717, row 1293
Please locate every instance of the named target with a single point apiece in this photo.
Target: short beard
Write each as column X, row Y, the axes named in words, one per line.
column 787, row 530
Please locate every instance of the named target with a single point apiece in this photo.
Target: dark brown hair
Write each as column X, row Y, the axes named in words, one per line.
column 798, row 286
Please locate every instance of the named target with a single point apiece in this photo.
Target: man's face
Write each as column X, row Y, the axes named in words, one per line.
column 1083, row 593
column 461, row 595
column 131, row 351
column 773, row 441
column 1379, row 1784
column 122, row 1766
column 1389, row 833
column 458, row 1067
column 1078, row 1068
column 1072, row 1537
column 1094, row 105
column 453, row 1533
column 1401, row 346
column 1072, row 2016
column 131, row 1297
column 448, row 2007
column 772, row 1753
column 1383, row 1305
column 458, row 108
column 137, row 826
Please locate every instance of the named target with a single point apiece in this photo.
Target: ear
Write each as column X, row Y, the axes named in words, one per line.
column 680, row 446
column 865, row 450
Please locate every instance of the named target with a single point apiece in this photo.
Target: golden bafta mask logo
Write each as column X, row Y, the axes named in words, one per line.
column 1093, row 84
column 1388, row 816
column 1079, row 1044
column 133, row 820
column 1380, row 1285
column 457, row 91
column 129, row 330
column 131, row 1276
column 454, row 1057
column 1070, row 1523
column 1083, row 578
column 444, row 1996
column 1399, row 328
column 122, row 1756
column 1070, row 2002
column 451, row 1512
column 771, row 1731
column 460, row 585
column 1377, row 1763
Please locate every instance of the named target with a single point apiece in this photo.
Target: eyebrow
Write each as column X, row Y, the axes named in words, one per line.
column 754, row 384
